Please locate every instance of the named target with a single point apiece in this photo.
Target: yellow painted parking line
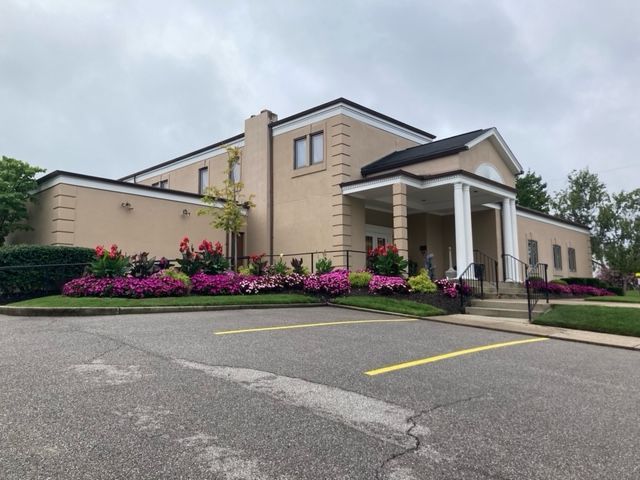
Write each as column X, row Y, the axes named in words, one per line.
column 308, row 325
column 422, row 361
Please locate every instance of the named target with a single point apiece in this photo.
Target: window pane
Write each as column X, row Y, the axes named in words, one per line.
column 572, row 259
column 557, row 257
column 203, row 180
column 300, row 153
column 533, row 252
column 317, row 148
column 368, row 242
column 234, row 174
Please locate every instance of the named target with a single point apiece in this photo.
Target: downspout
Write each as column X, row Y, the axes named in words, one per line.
column 270, row 189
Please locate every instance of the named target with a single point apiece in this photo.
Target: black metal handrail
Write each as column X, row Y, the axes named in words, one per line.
column 511, row 265
column 471, row 283
column 489, row 267
column 311, row 256
column 537, row 286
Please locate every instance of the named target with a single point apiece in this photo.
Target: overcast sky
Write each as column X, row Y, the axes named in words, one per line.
column 110, row 87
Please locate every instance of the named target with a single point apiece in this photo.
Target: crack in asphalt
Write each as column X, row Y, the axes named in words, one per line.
column 414, row 423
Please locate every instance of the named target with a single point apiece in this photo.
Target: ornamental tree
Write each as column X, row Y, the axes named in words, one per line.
column 17, row 186
column 229, row 217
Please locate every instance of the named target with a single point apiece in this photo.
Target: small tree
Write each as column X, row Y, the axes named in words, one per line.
column 229, row 217
column 531, row 192
column 17, row 186
column 619, row 230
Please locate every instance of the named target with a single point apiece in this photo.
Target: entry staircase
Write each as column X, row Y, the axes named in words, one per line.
column 484, row 293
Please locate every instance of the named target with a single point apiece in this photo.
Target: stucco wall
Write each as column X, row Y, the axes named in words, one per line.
column 97, row 217
column 547, row 235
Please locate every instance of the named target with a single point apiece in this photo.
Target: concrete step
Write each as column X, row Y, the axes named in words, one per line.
column 510, row 305
column 497, row 312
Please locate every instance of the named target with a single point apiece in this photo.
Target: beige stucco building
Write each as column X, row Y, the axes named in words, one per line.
column 339, row 178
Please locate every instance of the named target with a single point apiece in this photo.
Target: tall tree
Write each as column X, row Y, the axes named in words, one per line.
column 619, row 230
column 228, row 216
column 581, row 201
column 17, row 186
column 531, row 192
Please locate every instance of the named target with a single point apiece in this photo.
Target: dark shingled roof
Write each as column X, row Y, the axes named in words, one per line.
column 437, row 149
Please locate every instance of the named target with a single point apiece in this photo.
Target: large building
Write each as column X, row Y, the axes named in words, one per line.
column 339, row 178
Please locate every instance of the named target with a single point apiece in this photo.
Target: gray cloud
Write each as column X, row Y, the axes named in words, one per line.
column 109, row 87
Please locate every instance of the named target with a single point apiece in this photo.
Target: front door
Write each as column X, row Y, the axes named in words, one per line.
column 376, row 236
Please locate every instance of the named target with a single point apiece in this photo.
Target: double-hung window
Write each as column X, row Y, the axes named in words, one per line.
column 308, row 150
column 532, row 247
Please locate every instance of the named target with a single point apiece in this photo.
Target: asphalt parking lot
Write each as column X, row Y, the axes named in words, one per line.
column 222, row 395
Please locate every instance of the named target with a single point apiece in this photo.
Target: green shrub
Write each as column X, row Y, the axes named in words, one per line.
column 559, row 282
column 324, row 265
column 588, row 281
column 421, row 283
column 183, row 277
column 296, row 264
column 246, row 271
column 360, row 279
column 617, row 290
column 279, row 268
column 385, row 260
column 22, row 282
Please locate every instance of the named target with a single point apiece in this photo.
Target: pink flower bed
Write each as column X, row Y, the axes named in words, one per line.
column 330, row 284
column 220, row 284
column 383, row 285
column 233, row 284
column 128, row 287
column 576, row 290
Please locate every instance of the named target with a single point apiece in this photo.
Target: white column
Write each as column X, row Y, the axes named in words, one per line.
column 461, row 237
column 466, row 196
column 507, row 237
column 514, row 237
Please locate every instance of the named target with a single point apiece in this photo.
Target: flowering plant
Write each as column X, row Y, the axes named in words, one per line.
column 157, row 285
column 109, row 263
column 384, row 285
column 447, row 287
column 143, row 266
column 385, row 260
column 328, row 284
column 191, row 261
column 256, row 265
column 212, row 258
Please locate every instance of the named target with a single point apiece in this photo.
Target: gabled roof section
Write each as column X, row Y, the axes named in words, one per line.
column 348, row 107
column 443, row 148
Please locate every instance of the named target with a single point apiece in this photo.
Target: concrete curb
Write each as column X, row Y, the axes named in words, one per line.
column 95, row 311
column 501, row 325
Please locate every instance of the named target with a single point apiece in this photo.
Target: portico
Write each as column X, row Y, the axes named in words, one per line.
column 446, row 210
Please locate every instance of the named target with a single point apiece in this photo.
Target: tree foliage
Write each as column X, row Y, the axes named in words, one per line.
column 229, row 216
column 581, row 202
column 17, row 184
column 618, row 226
column 531, row 192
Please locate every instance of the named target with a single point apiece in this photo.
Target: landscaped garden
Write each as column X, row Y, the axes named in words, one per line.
column 202, row 276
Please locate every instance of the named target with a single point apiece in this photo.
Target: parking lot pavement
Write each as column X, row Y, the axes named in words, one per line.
column 181, row 396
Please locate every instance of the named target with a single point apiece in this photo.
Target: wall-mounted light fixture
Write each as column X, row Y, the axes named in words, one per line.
column 186, row 213
column 126, row 205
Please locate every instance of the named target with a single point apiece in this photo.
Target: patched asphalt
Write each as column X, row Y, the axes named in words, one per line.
column 161, row 396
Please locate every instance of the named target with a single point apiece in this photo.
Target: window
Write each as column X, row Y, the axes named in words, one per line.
column 234, row 174
column 557, row 257
column 532, row 247
column 161, row 184
column 300, row 153
column 308, row 150
column 317, row 148
column 203, row 180
column 572, row 260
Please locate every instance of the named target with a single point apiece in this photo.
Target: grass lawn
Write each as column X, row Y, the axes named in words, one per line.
column 621, row 321
column 388, row 304
column 632, row 296
column 261, row 299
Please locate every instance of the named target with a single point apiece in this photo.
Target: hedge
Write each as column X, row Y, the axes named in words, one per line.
column 30, row 282
column 593, row 282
